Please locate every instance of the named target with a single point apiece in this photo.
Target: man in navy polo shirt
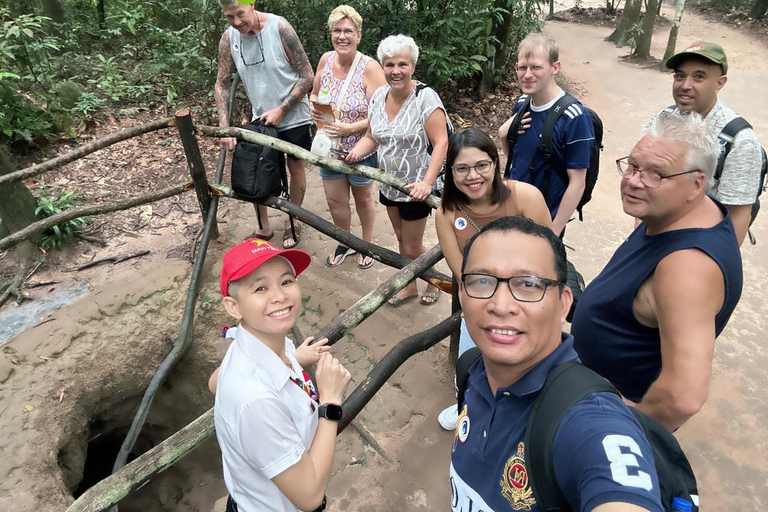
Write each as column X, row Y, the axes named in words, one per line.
column 515, row 302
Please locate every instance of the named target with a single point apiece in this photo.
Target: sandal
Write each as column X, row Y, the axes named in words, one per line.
column 261, row 237
column 340, row 251
column 288, row 237
column 364, row 261
column 396, row 302
column 434, row 295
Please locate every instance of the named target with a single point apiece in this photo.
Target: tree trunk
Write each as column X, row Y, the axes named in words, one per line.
column 17, row 206
column 54, row 10
column 102, row 12
column 672, row 41
column 643, row 47
column 758, row 9
column 629, row 18
column 499, row 30
column 551, row 9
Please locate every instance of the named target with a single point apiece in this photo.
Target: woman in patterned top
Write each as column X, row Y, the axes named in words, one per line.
column 404, row 120
column 351, row 106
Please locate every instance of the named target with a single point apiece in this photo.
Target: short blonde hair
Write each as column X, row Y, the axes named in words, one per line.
column 533, row 42
column 393, row 45
column 345, row 11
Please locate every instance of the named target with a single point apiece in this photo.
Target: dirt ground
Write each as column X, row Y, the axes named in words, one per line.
column 77, row 377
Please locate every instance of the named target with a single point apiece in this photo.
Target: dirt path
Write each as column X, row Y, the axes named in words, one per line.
column 82, row 372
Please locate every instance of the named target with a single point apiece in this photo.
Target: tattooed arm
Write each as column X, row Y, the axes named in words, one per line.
column 300, row 63
column 223, row 83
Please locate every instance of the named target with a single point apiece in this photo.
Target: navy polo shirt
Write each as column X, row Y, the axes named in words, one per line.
column 600, row 452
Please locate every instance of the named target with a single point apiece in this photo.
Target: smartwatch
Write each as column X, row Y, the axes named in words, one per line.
column 330, row 412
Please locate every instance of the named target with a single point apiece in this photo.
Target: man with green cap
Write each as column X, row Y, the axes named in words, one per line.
column 700, row 71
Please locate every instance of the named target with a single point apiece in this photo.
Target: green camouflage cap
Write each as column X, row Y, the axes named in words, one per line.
column 710, row 51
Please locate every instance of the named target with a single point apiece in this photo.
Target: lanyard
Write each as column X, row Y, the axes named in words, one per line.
column 307, row 386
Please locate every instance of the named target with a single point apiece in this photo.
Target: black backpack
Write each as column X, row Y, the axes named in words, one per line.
column 437, row 189
column 566, row 385
column 258, row 172
column 546, row 146
column 726, row 136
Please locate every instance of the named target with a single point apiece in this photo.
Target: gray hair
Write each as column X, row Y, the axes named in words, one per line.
column 699, row 138
column 229, row 3
column 392, row 45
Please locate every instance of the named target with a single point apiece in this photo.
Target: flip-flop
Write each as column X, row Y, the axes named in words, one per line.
column 340, row 251
column 287, row 235
column 435, row 296
column 261, row 237
column 396, row 302
column 367, row 261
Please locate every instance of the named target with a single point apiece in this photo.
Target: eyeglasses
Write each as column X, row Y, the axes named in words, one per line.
column 259, row 53
column 347, row 32
column 481, row 167
column 522, row 69
column 650, row 179
column 522, row 288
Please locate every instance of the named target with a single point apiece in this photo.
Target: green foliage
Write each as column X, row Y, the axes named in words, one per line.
column 633, row 35
column 52, row 202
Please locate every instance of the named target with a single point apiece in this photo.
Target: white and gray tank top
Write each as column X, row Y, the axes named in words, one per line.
column 266, row 73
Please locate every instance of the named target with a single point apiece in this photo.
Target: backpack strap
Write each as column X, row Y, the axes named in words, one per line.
column 566, row 385
column 512, row 133
column 726, row 136
column 546, row 139
column 466, row 360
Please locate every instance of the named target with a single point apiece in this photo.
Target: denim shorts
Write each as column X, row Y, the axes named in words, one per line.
column 355, row 181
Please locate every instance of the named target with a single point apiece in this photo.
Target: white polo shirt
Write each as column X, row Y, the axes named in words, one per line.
column 264, row 421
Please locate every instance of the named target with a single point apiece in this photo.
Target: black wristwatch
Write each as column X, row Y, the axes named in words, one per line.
column 331, row 412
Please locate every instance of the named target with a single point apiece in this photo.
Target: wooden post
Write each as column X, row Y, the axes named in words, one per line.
column 195, row 162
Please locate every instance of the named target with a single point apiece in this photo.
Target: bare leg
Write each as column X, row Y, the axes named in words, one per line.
column 366, row 210
column 413, row 247
column 337, row 196
column 262, row 211
column 297, row 186
column 398, row 225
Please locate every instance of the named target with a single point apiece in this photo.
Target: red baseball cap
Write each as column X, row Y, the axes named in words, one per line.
column 246, row 257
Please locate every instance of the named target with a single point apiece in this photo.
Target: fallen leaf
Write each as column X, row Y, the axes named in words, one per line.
column 146, row 212
column 61, row 395
column 15, row 360
column 28, row 408
column 9, row 350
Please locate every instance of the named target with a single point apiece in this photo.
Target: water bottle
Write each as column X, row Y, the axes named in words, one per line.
column 681, row 505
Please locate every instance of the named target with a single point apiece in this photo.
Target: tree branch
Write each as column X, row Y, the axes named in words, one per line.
column 83, row 211
column 328, row 163
column 86, row 149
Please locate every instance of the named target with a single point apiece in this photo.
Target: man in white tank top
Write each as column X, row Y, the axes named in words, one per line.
column 271, row 62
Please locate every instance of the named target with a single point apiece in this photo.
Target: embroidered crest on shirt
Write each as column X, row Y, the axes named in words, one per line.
column 462, row 427
column 514, row 482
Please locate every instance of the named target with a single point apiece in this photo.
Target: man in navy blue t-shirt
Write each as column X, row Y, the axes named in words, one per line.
column 572, row 138
column 515, row 302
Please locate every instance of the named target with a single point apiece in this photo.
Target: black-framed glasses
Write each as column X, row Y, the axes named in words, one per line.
column 650, row 179
column 481, row 167
column 257, row 57
column 522, row 288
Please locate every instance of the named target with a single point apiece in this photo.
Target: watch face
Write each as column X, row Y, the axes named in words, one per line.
column 331, row 411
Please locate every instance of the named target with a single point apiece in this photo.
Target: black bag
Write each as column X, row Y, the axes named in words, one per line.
column 258, row 172
column 546, row 147
column 576, row 283
column 566, row 385
column 437, row 188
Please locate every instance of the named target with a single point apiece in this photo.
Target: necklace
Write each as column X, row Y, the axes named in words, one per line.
column 467, row 217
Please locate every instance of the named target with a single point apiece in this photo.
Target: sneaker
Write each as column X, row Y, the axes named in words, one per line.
column 449, row 417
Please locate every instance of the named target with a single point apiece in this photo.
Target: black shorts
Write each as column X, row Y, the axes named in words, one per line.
column 408, row 210
column 298, row 135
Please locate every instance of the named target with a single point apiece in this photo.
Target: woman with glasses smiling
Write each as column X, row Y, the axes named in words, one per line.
column 475, row 194
column 347, row 79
